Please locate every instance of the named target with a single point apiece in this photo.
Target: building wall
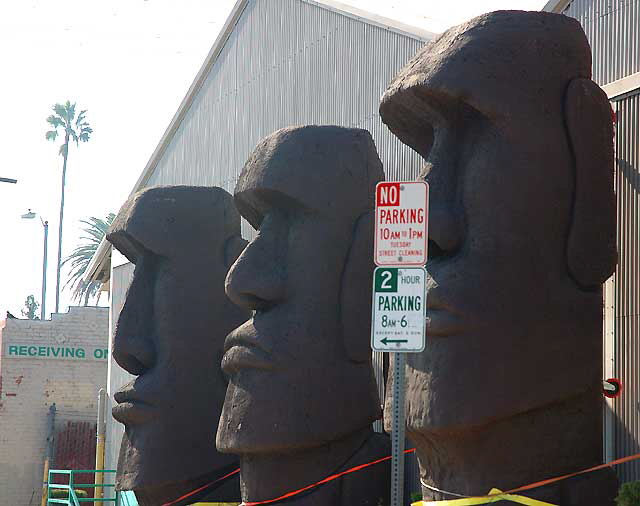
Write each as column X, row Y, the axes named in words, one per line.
column 613, row 30
column 309, row 66
column 626, row 287
column 37, row 370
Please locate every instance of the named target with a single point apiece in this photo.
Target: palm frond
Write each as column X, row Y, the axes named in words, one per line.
column 64, row 149
column 61, row 111
column 71, row 111
column 80, row 258
column 55, row 121
column 80, row 118
column 51, row 135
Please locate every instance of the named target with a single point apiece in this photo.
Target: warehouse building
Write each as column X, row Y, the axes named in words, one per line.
column 613, row 30
column 60, row 362
column 275, row 63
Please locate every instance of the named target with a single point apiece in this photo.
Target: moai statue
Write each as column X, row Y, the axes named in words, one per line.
column 170, row 335
column 302, row 395
column 517, row 140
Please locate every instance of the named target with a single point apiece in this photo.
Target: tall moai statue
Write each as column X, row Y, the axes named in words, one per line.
column 170, row 335
column 302, row 395
column 518, row 145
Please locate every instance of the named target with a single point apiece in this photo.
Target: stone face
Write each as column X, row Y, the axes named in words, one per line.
column 170, row 334
column 517, row 141
column 302, row 395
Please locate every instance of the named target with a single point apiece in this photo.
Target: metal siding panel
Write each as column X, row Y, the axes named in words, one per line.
column 627, row 285
column 613, row 30
column 309, row 66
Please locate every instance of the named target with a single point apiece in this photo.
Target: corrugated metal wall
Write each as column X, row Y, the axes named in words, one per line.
column 613, row 28
column 287, row 62
column 308, row 66
column 626, row 346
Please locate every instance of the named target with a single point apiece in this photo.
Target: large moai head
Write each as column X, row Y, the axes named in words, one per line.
column 300, row 371
column 517, row 140
column 170, row 335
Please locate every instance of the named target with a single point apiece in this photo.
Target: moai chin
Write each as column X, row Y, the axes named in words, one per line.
column 517, row 140
column 302, row 394
column 170, row 335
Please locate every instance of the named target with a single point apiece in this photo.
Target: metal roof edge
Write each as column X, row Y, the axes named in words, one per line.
column 374, row 19
column 98, row 262
column 556, row 6
column 622, row 86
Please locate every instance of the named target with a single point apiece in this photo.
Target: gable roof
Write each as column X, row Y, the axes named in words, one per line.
column 98, row 268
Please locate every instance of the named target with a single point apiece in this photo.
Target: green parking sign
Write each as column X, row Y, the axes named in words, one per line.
column 398, row 309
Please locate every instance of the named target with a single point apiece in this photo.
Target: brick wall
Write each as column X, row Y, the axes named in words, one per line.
column 61, row 361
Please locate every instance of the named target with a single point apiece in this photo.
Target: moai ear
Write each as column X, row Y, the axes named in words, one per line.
column 232, row 249
column 591, row 244
column 355, row 296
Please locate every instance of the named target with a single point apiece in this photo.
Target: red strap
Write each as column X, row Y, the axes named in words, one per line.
column 322, row 482
column 571, row 475
column 200, row 489
column 383, row 459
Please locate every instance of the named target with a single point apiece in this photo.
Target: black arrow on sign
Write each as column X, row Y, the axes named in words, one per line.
column 386, row 341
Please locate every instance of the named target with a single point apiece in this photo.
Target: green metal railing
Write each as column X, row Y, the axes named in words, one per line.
column 72, row 498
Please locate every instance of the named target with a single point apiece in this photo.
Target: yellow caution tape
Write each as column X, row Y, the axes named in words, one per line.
column 493, row 496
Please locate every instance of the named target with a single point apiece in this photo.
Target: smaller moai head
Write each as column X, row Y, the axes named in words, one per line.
column 170, row 335
column 300, row 371
column 517, row 140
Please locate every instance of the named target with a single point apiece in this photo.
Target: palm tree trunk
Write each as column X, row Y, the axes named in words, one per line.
column 64, row 175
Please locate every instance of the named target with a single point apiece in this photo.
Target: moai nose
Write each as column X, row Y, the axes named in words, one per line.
column 133, row 347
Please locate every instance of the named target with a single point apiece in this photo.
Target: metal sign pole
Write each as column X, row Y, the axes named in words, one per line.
column 397, row 430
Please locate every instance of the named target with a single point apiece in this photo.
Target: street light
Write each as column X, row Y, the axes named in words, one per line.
column 29, row 216
column 8, row 180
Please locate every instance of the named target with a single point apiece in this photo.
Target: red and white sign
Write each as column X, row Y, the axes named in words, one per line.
column 401, row 223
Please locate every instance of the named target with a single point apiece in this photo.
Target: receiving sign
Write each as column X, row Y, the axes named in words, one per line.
column 401, row 223
column 398, row 310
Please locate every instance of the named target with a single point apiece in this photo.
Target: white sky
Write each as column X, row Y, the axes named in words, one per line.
column 130, row 63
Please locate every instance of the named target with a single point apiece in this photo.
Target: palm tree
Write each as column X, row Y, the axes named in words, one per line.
column 30, row 308
column 80, row 258
column 78, row 131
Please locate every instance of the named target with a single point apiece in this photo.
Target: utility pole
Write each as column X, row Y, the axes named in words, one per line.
column 45, row 224
column 43, row 312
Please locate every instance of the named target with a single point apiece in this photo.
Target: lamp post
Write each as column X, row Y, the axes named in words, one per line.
column 8, row 180
column 45, row 224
